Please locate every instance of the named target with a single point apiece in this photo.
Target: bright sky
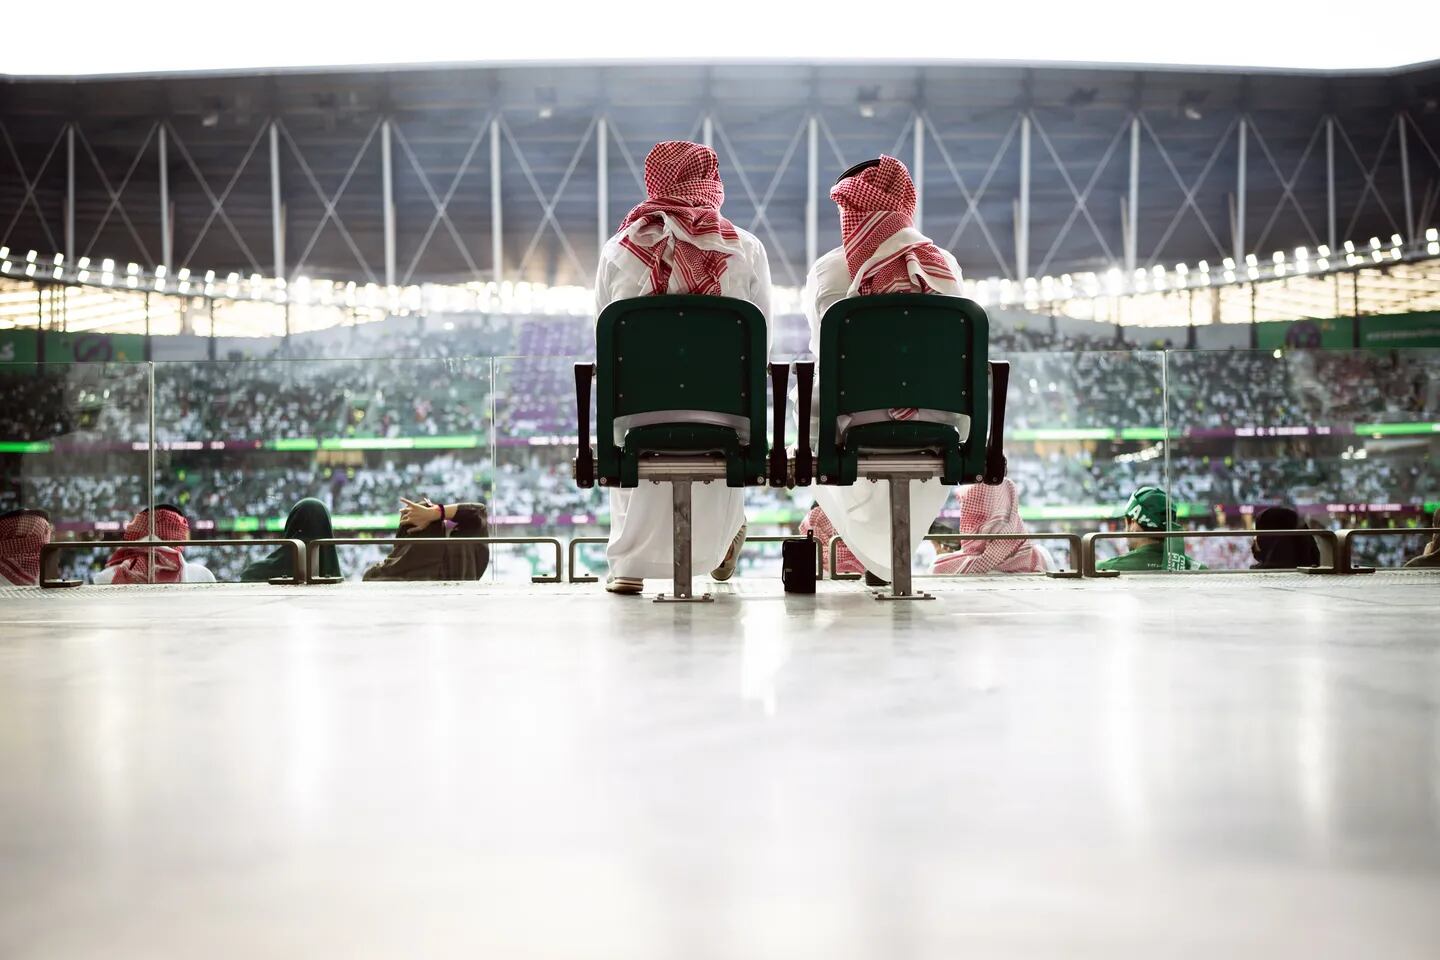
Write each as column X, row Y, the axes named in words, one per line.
column 88, row 37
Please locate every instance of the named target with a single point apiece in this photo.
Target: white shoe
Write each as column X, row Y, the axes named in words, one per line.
column 726, row 570
column 625, row 586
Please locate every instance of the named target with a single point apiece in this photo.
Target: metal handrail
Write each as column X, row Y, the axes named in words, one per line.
column 1327, row 538
column 1345, row 552
column 315, row 545
column 577, row 541
column 296, row 548
column 1071, row 538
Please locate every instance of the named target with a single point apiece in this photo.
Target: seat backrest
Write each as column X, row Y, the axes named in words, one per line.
column 684, row 354
column 901, row 350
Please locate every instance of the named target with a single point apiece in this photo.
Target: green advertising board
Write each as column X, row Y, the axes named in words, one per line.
column 1400, row 331
column 1335, row 333
column 93, row 347
column 17, row 346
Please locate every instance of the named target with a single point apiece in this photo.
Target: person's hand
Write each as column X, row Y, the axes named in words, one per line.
column 417, row 516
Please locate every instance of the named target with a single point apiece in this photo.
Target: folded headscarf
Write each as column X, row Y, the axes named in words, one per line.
column 1283, row 553
column 678, row 232
column 135, row 565
column 22, row 534
column 817, row 523
column 309, row 520
column 883, row 251
column 987, row 509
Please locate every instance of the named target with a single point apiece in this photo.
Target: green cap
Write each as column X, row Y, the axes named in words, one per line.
column 1150, row 507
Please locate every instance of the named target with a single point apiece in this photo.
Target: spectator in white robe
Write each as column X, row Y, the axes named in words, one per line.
column 881, row 252
column 677, row 242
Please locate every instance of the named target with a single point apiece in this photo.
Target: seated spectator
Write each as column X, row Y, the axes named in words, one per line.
column 1149, row 510
column 1431, row 556
column 881, row 252
column 819, row 525
column 461, row 561
column 309, row 520
column 986, row 509
column 1282, row 553
column 130, row 565
column 22, row 534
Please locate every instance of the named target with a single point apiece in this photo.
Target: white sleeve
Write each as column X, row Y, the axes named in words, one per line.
column 195, row 573
column 105, row 576
column 602, row 282
column 760, row 289
column 808, row 298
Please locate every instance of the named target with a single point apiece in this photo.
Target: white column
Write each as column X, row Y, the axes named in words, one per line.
column 496, row 219
column 602, row 184
column 1330, row 184
column 812, row 193
column 387, row 195
column 277, row 214
column 1402, row 118
column 1132, row 215
column 1022, row 225
column 167, row 237
column 70, row 196
column 918, row 171
column 1240, row 198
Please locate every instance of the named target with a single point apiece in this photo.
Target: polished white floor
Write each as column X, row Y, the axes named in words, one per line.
column 1212, row 766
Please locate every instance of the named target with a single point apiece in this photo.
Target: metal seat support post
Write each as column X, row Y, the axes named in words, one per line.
column 682, row 537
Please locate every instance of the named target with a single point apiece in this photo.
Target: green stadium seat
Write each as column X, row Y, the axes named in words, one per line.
column 897, row 351
column 679, row 397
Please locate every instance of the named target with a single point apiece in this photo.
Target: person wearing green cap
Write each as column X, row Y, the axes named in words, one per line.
column 1149, row 509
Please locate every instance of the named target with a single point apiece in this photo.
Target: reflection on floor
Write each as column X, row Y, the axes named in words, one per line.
column 1216, row 766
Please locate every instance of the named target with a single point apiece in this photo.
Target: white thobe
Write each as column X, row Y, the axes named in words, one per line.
column 641, row 543
column 861, row 513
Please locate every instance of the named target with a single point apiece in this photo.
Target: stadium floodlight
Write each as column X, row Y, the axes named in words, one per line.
column 1349, row 246
column 1181, row 269
column 1374, row 243
column 233, row 279
column 209, row 276
column 1253, row 273
column 30, row 257
column 132, row 281
column 59, row 259
column 84, row 263
column 1323, row 263
column 1395, row 240
column 1301, row 253
column 107, row 265
column 1322, row 250
column 1432, row 236
column 1279, row 257
column 1433, row 248
column 184, row 273
column 83, row 276
column 1251, row 260
column 107, row 278
column 132, row 269
column 29, row 269
column 56, row 273
column 4, row 266
column 160, row 272
column 5, row 251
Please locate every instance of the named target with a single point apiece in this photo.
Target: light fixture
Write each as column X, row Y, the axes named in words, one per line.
column 107, row 266
column 30, row 257
column 1251, row 260
column 84, row 263
column 1395, row 240
column 1432, row 235
column 5, row 251
column 1323, row 250
column 1349, row 246
column 132, row 269
column 59, row 259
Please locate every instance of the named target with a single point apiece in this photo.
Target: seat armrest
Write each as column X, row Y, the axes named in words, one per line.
column 995, row 463
column 804, row 459
column 584, row 467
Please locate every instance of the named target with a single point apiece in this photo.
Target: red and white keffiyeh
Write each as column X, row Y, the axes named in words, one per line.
column 678, row 233
column 817, row 523
column 133, row 565
column 21, row 537
column 987, row 509
column 875, row 205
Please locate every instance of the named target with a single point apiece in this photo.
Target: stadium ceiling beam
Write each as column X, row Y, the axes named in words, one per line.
column 972, row 199
column 330, row 201
column 1081, row 205
column 760, row 204
column 1369, row 173
column 31, row 185
column 217, row 204
column 442, row 204
column 1287, row 184
column 116, row 205
column 1189, row 189
column 548, row 204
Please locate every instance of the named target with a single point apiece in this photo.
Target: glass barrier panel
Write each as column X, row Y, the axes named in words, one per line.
column 240, row 443
column 1345, row 438
column 75, row 443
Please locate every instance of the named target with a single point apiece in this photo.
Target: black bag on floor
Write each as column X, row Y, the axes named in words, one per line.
column 797, row 565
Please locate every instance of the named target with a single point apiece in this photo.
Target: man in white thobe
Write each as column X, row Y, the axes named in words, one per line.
column 677, row 242
column 882, row 252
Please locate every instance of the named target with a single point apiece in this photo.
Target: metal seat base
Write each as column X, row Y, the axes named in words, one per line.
column 670, row 598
